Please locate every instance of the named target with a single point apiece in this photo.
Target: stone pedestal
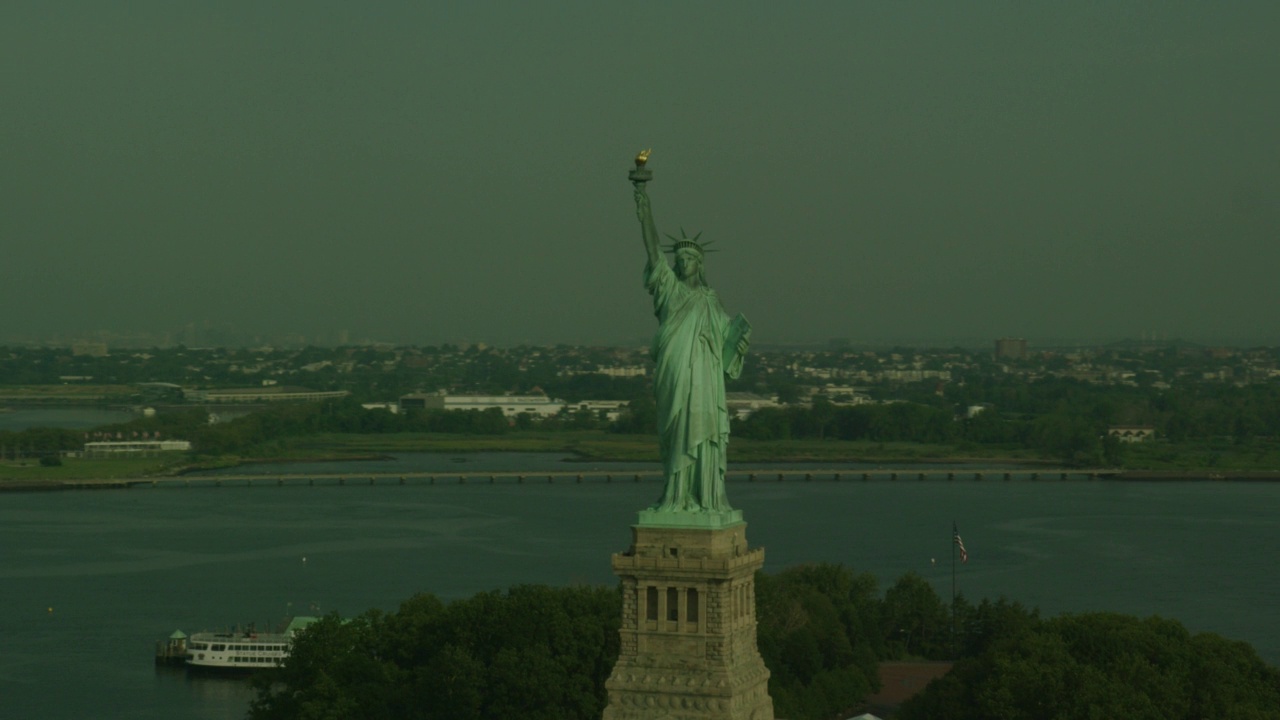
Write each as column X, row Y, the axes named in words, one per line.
column 689, row 627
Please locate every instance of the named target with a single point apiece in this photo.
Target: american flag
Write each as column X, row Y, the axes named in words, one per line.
column 955, row 535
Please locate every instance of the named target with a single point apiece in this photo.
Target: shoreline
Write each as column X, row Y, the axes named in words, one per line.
column 886, row 472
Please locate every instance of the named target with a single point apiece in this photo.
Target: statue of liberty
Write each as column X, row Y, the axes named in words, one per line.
column 695, row 347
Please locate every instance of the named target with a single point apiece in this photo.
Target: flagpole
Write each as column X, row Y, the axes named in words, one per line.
column 954, row 532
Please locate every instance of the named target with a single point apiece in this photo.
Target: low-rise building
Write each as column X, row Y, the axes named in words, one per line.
column 612, row 409
column 512, row 405
column 117, row 447
column 1132, row 433
column 742, row 404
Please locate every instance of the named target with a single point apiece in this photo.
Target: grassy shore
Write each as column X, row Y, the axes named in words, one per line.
column 602, row 446
column 31, row 471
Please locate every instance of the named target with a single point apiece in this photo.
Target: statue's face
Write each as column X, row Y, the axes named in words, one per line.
column 687, row 265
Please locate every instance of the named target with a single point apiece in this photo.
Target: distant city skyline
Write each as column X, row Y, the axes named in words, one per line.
column 230, row 336
column 429, row 173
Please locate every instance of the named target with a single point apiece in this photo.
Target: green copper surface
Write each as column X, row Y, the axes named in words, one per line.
column 696, row 346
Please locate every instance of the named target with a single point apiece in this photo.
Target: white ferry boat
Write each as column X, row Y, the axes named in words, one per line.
column 241, row 651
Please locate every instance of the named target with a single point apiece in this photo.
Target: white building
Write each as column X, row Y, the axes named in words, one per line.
column 612, row 408
column 391, row 407
column 742, row 404
column 1132, row 433
column 539, row 406
column 135, row 446
column 623, row 372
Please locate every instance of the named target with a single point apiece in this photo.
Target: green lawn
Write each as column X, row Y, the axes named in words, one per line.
column 30, row 471
column 1222, row 454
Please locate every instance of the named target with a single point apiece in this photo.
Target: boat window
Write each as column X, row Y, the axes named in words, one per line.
column 218, row 648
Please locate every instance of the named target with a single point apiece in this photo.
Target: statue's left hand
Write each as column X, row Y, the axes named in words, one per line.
column 743, row 344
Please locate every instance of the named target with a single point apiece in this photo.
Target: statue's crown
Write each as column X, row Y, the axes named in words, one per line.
column 684, row 242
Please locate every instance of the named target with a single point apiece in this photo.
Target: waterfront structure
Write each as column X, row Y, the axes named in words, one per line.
column 172, row 651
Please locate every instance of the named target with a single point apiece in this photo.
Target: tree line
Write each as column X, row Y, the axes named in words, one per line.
column 545, row 653
column 1062, row 419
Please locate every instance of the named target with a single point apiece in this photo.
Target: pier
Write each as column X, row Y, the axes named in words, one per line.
column 758, row 475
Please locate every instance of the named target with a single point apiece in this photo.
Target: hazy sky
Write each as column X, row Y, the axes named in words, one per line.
column 438, row 172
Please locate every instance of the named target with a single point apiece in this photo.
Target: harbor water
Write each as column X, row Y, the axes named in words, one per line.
column 89, row 580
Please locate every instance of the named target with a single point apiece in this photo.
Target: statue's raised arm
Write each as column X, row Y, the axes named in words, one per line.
column 644, row 213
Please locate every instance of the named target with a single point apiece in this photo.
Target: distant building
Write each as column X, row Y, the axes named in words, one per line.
column 1009, row 348
column 612, row 409
column 622, row 372
column 742, row 404
column 1132, row 433
column 117, row 447
column 974, row 411
column 616, row 372
column 391, row 407
column 901, row 681
column 90, row 349
column 511, row 405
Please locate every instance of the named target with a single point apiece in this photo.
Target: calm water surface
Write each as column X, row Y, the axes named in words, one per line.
column 89, row 580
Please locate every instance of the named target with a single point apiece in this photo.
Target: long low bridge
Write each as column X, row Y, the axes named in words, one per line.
column 761, row 475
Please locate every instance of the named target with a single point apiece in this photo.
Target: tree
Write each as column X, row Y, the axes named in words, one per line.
column 914, row 620
column 639, row 418
column 1103, row 665
column 529, row 652
column 818, row 635
column 822, row 412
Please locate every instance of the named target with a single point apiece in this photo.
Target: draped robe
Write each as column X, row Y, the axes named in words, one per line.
column 695, row 337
